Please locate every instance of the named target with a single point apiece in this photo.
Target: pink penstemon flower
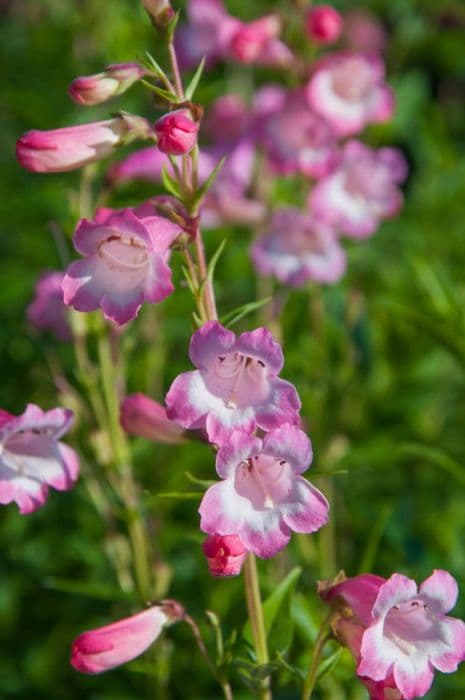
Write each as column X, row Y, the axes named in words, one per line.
column 362, row 191
column 262, row 497
column 323, row 24
column 348, row 90
column 32, row 457
column 398, row 633
column 71, row 147
column 236, row 385
column 297, row 248
column 142, row 416
column 104, row 648
column 47, row 311
column 124, row 264
column 113, row 81
column 176, row 132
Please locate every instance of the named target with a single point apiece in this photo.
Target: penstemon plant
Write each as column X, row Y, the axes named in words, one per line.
column 234, row 400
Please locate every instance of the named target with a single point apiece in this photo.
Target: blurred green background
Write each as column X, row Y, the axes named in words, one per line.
column 379, row 361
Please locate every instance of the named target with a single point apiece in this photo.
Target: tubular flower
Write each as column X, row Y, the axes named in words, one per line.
column 257, row 42
column 32, row 458
column 114, row 80
column 348, row 89
column 142, row 416
column 362, row 191
column 236, row 385
column 48, row 311
column 262, row 497
column 124, row 264
column 225, row 554
column 298, row 248
column 106, row 647
column 60, row 150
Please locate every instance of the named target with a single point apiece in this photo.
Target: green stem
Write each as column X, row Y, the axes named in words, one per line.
column 128, row 491
column 320, row 642
column 257, row 621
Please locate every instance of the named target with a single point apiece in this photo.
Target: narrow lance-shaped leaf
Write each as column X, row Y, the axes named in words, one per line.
column 192, row 87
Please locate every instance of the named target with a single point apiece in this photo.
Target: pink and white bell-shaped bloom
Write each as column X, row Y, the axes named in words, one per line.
column 32, row 458
column 262, row 497
column 114, row 80
column 124, row 265
column 362, row 191
column 411, row 634
column 48, row 311
column 298, row 248
column 71, row 147
column 236, row 385
column 225, row 554
column 296, row 138
column 348, row 89
column 110, row 646
column 142, row 416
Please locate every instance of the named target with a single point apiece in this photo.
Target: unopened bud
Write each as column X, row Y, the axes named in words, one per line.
column 225, row 554
column 176, row 133
column 114, row 80
column 323, row 24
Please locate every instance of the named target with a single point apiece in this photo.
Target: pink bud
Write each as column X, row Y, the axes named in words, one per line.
column 250, row 40
column 60, row 150
column 106, row 647
column 146, row 418
column 176, row 132
column 225, row 554
column 115, row 79
column 323, row 24
column 160, row 12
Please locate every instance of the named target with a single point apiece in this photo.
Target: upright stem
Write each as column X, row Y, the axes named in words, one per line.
column 320, row 642
column 255, row 609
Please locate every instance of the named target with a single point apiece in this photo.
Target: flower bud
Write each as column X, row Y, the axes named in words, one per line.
column 106, row 647
column 323, row 24
column 71, row 147
column 225, row 554
column 160, row 12
column 146, row 418
column 176, row 132
column 251, row 39
column 115, row 79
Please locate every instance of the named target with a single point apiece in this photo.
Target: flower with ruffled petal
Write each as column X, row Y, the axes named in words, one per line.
column 32, row 458
column 411, row 635
column 262, row 497
column 362, row 191
column 236, row 385
column 348, row 89
column 124, row 264
column 298, row 248
column 48, row 311
column 296, row 138
column 106, row 647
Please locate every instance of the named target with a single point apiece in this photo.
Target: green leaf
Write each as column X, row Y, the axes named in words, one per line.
column 205, row 483
column 152, row 64
column 214, row 259
column 92, row 590
column 434, row 456
column 161, row 92
column 202, row 191
column 192, row 87
column 180, row 495
column 328, row 664
column 170, row 183
column 239, row 312
column 171, row 27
